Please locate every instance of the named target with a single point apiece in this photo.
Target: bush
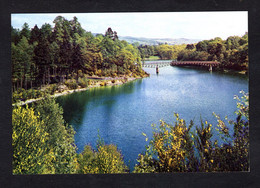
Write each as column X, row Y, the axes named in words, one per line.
column 107, row 159
column 32, row 93
column 103, row 83
column 71, row 84
column 178, row 149
column 43, row 143
column 29, row 142
column 114, row 75
column 80, row 73
column 61, row 136
column 83, row 82
column 134, row 75
column 39, row 93
column 52, row 88
column 99, row 72
column 23, row 95
column 16, row 97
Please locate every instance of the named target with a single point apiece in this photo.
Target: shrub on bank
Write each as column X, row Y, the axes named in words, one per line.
column 52, row 88
column 175, row 148
column 29, row 141
column 114, row 75
column 23, row 95
column 71, row 84
column 42, row 142
column 103, row 83
column 83, row 82
column 106, row 159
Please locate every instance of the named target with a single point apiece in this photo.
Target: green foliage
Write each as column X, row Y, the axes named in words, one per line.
column 106, row 159
column 42, row 142
column 166, row 51
column 103, row 83
column 29, row 141
column 231, row 53
column 61, row 136
column 52, row 88
column 175, row 148
column 71, row 84
column 47, row 55
column 23, row 95
column 25, row 32
column 146, row 51
column 83, row 82
column 22, row 63
column 153, row 58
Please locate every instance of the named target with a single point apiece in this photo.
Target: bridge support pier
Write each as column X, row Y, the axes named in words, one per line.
column 210, row 68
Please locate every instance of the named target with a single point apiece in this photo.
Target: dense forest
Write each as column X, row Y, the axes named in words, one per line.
column 51, row 54
column 232, row 53
column 163, row 51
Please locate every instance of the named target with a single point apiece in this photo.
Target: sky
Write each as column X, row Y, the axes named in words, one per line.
column 190, row 25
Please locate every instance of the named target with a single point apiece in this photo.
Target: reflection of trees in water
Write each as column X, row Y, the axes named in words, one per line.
column 204, row 70
column 74, row 105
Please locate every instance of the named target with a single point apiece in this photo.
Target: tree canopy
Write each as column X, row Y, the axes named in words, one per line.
column 50, row 54
column 232, row 53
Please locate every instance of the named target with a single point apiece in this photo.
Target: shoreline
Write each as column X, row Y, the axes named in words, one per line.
column 107, row 80
column 243, row 72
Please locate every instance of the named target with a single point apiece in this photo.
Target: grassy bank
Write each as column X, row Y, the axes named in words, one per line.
column 152, row 58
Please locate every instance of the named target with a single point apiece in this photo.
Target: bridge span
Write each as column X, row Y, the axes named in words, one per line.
column 156, row 64
column 209, row 64
column 195, row 63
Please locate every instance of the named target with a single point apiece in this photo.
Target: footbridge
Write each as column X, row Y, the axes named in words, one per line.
column 155, row 64
column 209, row 64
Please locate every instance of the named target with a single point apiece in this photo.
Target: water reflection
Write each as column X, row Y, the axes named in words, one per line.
column 76, row 104
column 122, row 113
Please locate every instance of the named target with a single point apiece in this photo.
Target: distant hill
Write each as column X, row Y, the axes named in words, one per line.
column 155, row 41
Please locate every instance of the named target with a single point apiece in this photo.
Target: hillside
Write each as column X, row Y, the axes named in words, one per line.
column 155, row 41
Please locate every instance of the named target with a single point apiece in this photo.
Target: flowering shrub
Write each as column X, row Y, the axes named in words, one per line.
column 42, row 142
column 178, row 149
column 107, row 159
column 29, row 142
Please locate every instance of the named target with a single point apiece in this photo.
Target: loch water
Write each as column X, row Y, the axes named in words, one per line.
column 120, row 114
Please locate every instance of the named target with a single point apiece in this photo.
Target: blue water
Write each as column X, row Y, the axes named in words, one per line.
column 122, row 113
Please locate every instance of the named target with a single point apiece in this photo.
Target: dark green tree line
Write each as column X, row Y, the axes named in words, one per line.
column 232, row 53
column 52, row 54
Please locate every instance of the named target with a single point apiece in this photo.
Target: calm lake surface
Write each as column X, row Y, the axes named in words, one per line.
column 122, row 113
